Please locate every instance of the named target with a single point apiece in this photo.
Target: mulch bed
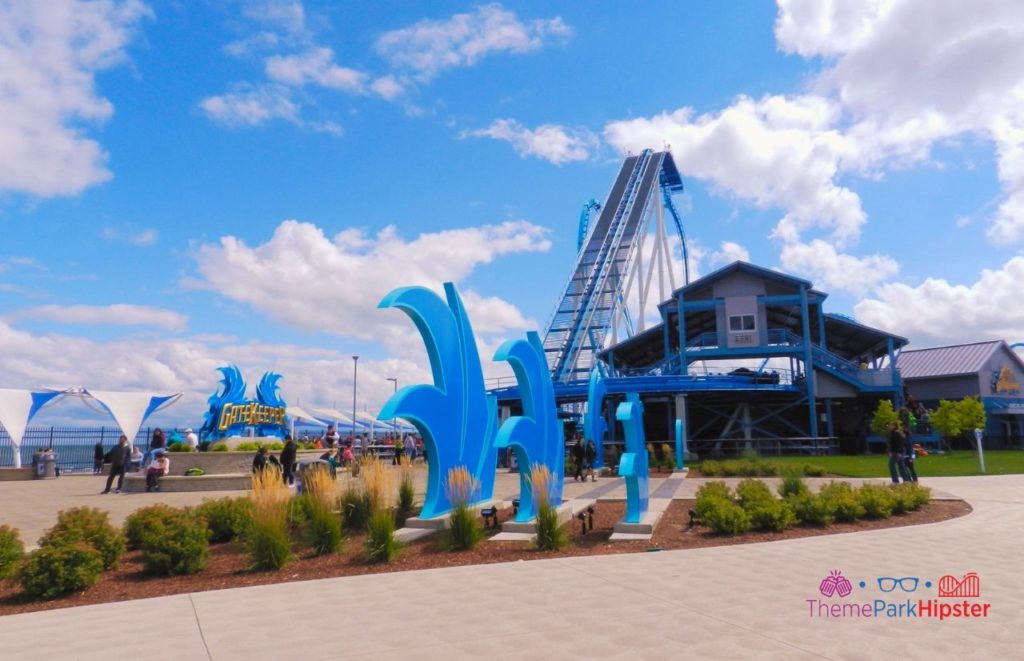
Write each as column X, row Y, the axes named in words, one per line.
column 228, row 566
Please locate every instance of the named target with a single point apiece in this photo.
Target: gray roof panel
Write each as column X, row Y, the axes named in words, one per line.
column 946, row 361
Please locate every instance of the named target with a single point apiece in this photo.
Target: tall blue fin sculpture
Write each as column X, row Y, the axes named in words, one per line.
column 454, row 416
column 680, row 446
column 633, row 465
column 594, row 426
column 267, row 394
column 534, row 437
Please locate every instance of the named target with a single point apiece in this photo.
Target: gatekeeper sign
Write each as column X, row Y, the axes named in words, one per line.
column 231, row 413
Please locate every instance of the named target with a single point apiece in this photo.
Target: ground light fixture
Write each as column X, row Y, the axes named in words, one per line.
column 489, row 514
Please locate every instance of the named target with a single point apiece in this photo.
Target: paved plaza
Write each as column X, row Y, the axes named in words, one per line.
column 748, row 601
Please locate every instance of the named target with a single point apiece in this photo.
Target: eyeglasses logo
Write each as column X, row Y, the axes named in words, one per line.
column 907, row 583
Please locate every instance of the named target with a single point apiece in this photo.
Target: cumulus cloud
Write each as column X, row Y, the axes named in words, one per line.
column 118, row 315
column 430, row 46
column 315, row 66
column 774, row 152
column 939, row 312
column 50, row 54
column 314, row 376
column 729, row 252
column 550, row 142
column 820, row 262
column 251, row 105
column 302, row 277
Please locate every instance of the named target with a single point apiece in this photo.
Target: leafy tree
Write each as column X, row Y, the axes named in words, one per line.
column 884, row 415
column 953, row 419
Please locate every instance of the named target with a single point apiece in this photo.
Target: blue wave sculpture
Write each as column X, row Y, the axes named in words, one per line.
column 534, row 437
column 454, row 416
column 234, row 391
column 594, row 425
column 680, row 452
column 267, row 394
column 633, row 464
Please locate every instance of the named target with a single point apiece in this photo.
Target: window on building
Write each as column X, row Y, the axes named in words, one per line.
column 741, row 322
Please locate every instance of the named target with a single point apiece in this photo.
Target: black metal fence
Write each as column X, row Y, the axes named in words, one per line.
column 73, row 445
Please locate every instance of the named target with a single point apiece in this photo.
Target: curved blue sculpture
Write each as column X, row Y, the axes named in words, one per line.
column 266, row 394
column 594, row 425
column 230, row 412
column 633, row 465
column 233, row 391
column 534, row 437
column 454, row 416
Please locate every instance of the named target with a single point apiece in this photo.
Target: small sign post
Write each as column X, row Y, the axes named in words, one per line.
column 981, row 452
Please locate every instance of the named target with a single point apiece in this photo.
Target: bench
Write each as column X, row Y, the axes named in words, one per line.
column 136, row 483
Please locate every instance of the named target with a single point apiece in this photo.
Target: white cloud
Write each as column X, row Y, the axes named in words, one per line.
column 775, row 152
column 302, row 277
column 118, row 315
column 251, row 105
column 387, row 87
column 940, row 312
column 145, row 237
column 827, row 268
column 550, row 142
column 50, row 53
column 284, row 15
column 729, row 252
column 430, row 46
column 315, row 66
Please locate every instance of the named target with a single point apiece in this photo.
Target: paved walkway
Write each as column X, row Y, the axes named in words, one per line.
column 745, row 601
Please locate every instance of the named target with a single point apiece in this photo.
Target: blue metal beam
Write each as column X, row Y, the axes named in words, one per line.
column 808, row 362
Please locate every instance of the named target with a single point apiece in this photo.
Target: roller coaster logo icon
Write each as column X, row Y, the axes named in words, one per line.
column 968, row 586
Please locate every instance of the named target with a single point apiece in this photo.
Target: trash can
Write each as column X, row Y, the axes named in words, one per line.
column 48, row 466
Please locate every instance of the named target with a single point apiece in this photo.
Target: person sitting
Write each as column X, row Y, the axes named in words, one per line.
column 331, row 457
column 136, row 460
column 263, row 459
column 161, row 466
column 347, row 456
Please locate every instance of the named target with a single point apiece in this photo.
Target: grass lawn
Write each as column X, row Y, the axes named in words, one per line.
column 962, row 462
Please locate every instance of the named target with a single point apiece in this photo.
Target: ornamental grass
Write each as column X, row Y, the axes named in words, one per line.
column 464, row 531
column 268, row 541
column 550, row 536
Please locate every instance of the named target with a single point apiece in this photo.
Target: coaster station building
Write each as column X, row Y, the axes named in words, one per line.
column 746, row 356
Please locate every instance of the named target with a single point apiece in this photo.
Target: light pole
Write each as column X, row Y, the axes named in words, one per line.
column 394, row 421
column 355, row 376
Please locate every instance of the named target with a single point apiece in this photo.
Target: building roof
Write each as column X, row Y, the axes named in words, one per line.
column 956, row 360
column 750, row 269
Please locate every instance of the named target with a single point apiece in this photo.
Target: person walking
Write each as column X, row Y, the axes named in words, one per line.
column 578, row 454
column 908, row 470
column 896, row 449
column 591, row 457
column 97, row 458
column 288, row 461
column 120, row 456
column 396, row 460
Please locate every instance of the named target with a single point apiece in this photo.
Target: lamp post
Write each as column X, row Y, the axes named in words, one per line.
column 355, row 377
column 394, row 421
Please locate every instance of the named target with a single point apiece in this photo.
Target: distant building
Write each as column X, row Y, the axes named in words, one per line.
column 989, row 370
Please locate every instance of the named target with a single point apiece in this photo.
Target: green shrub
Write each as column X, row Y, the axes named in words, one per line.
column 902, row 499
column 842, row 501
column 711, row 468
column 275, row 446
column 771, row 514
column 89, row 525
column 53, row 571
column 877, row 500
column 810, row 509
column 11, row 550
column 226, row 518
column 792, row 485
column 381, row 545
column 177, row 543
column 356, row 508
column 752, row 491
column 219, row 447
column 139, row 523
column 813, row 470
column 709, row 494
column 180, row 447
column 406, row 493
column 725, row 518
column 322, row 530
column 247, row 446
column 919, row 496
column 550, row 536
column 464, row 531
column 298, row 510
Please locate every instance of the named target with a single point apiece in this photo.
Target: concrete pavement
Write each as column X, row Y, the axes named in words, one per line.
column 747, row 601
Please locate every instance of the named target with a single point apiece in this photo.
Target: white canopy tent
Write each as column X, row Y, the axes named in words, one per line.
column 325, row 413
column 16, row 410
column 129, row 409
column 299, row 413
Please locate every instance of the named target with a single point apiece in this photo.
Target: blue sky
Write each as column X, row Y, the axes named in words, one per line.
column 188, row 184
